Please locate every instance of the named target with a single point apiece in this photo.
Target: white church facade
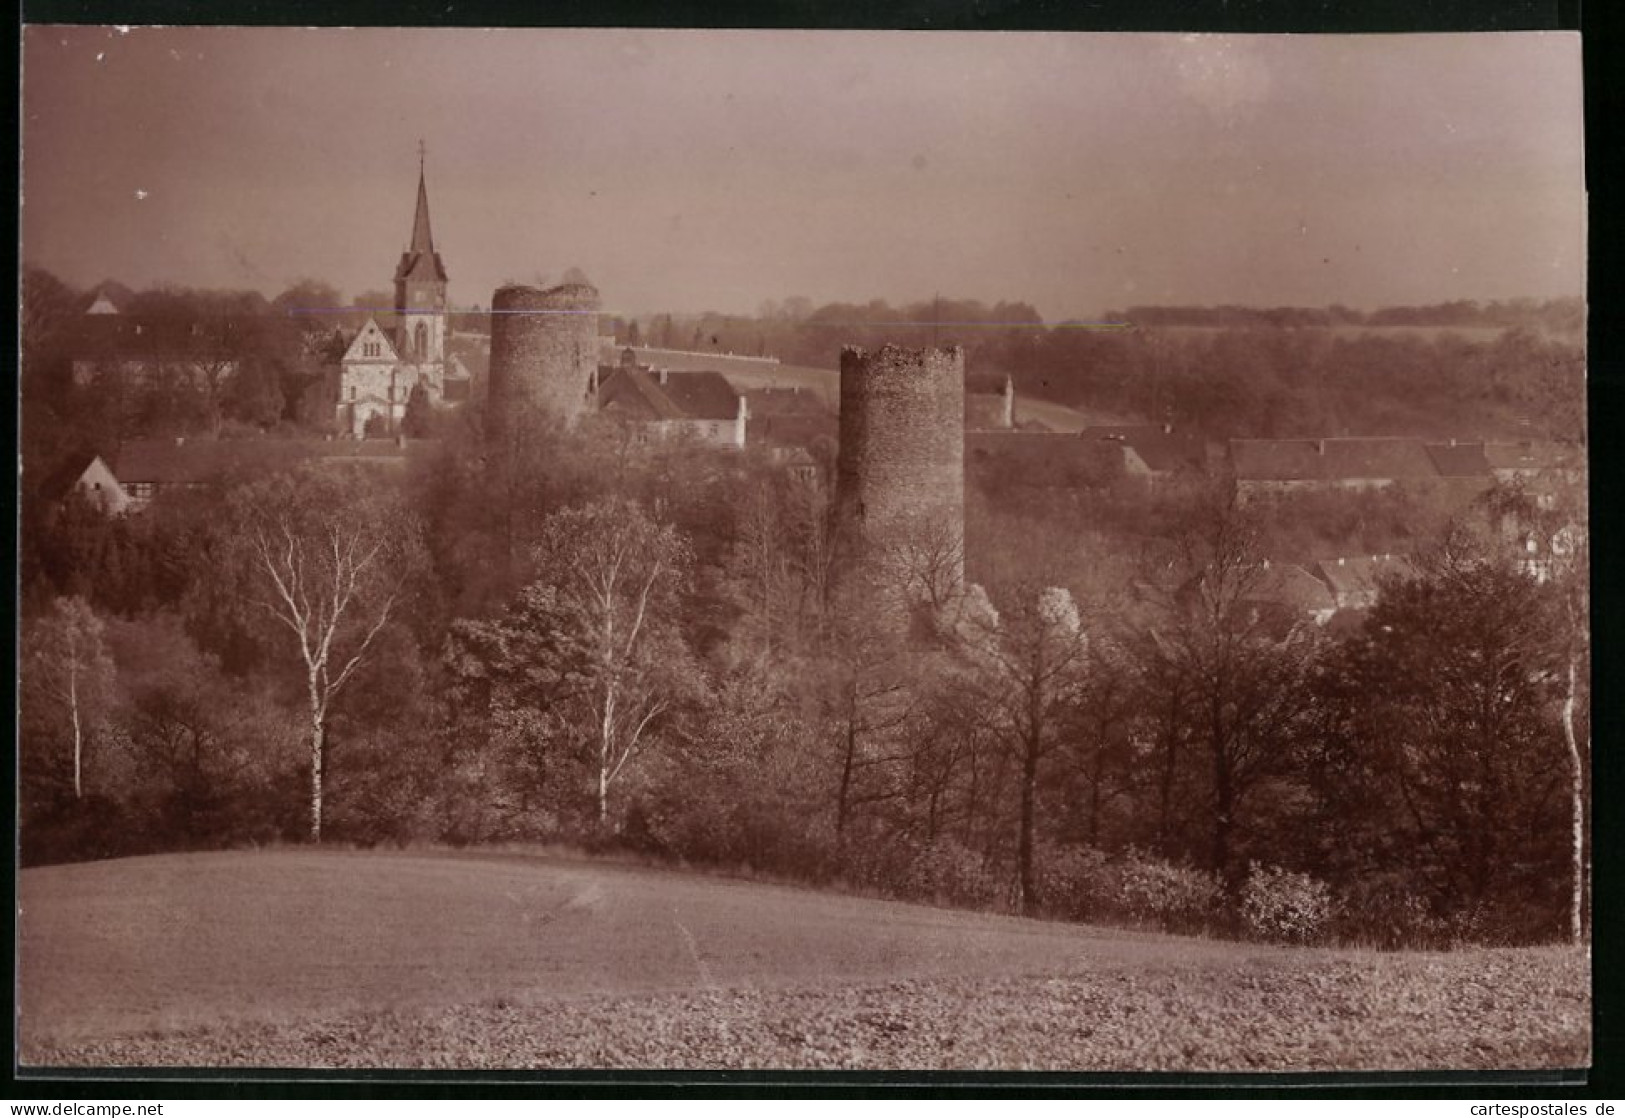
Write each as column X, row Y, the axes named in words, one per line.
column 381, row 367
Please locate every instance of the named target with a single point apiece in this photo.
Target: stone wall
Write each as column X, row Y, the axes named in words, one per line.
column 900, row 473
column 544, row 352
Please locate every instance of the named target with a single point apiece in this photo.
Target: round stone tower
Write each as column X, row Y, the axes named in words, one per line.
column 900, row 472
column 544, row 353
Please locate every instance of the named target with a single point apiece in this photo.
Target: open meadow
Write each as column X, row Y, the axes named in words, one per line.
column 327, row 959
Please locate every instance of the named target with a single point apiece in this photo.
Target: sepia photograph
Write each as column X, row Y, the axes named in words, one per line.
column 550, row 550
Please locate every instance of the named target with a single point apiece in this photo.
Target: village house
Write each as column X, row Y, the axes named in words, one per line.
column 1265, row 466
column 1152, row 452
column 1290, row 592
column 146, row 468
column 1535, row 464
column 90, row 477
column 1355, row 581
column 699, row 405
column 112, row 347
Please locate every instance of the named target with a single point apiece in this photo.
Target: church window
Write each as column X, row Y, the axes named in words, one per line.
column 423, row 340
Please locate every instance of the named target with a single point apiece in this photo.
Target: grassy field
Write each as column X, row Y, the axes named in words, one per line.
column 336, row 959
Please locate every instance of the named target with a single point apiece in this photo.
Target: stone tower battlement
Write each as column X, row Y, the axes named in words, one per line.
column 544, row 352
column 900, row 472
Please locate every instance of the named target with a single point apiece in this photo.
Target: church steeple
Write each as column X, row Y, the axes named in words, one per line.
column 420, row 289
column 422, row 240
column 421, row 261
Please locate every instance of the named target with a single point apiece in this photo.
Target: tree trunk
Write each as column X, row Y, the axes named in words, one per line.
column 1029, row 795
column 606, row 737
column 1170, row 765
column 1576, row 809
column 846, row 776
column 1224, row 806
column 318, row 734
column 78, row 730
column 1097, row 778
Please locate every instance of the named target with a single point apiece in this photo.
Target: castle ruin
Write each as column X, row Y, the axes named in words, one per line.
column 900, row 469
column 544, row 354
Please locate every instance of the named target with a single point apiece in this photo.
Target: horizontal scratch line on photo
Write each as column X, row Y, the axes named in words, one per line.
column 990, row 323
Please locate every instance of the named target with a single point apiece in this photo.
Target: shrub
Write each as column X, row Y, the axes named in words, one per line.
column 1176, row 898
column 950, row 873
column 1075, row 882
column 1285, row 907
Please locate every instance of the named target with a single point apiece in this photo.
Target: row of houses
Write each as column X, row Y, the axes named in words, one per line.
column 1267, row 466
column 1264, row 467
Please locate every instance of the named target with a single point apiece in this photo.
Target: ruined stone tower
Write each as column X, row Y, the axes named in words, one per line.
column 544, row 353
column 900, row 473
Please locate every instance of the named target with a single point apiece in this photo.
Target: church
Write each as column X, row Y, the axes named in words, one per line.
column 381, row 367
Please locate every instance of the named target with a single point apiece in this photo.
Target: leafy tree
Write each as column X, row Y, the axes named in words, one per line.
column 418, row 422
column 1555, row 524
column 1439, row 751
column 212, row 754
column 589, row 662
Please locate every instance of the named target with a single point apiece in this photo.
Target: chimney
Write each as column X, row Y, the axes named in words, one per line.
column 1320, row 446
column 180, row 440
column 1008, row 418
column 662, row 376
column 1167, row 428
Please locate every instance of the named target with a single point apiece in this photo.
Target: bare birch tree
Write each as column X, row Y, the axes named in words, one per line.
column 66, row 679
column 331, row 557
column 616, row 578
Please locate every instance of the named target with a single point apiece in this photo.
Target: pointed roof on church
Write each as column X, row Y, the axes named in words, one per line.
column 421, row 261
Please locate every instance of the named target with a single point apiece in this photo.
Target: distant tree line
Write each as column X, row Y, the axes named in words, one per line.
column 1495, row 369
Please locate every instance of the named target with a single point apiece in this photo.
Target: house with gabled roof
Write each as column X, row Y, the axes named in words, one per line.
column 1534, row 461
column 112, row 347
column 87, row 475
column 1348, row 463
column 1153, row 452
column 664, row 404
column 1356, row 580
column 1292, row 590
column 147, row 468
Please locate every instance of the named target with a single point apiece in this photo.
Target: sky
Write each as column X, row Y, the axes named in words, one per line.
column 701, row 170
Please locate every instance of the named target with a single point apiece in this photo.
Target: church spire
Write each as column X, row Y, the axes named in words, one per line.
column 420, row 261
column 422, row 240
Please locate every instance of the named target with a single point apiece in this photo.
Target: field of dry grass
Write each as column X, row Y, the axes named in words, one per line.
column 335, row 959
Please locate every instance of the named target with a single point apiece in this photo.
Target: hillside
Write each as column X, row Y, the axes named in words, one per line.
column 302, row 958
